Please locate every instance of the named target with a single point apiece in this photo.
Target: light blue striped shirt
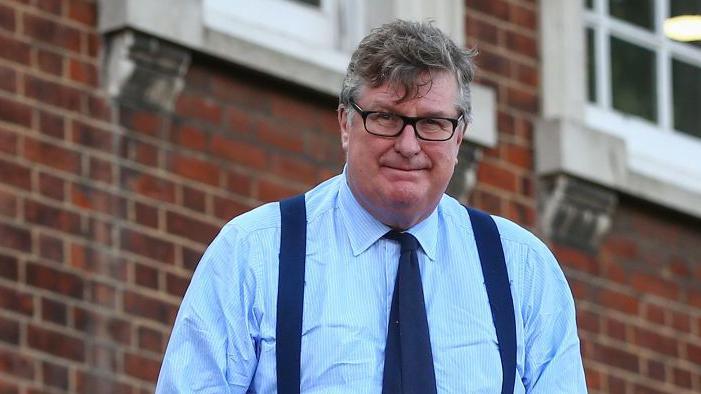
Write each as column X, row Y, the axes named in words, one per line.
column 223, row 340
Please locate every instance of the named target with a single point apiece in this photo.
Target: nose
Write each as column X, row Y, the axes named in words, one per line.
column 407, row 143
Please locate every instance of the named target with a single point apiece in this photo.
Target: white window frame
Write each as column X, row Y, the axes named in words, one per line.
column 597, row 143
column 259, row 37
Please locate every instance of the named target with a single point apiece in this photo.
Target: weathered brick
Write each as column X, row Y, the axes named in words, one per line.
column 141, row 367
column 12, row 111
column 51, row 248
column 294, row 168
column 616, row 357
column 15, row 237
column 653, row 284
column 83, row 11
column 7, row 18
column 481, row 30
column 227, row 208
column 195, row 169
column 522, row 100
column 52, row 217
column 9, row 331
column 54, row 311
column 101, row 170
column 495, row 8
column 50, row 62
column 148, row 246
column 141, row 120
column 55, row 375
column 13, row 50
column 239, row 183
column 191, row 137
column 101, row 325
column 497, row 176
column 491, row 62
column 56, row 343
column 93, row 137
column 176, row 285
column 101, row 294
column 198, row 107
column 190, row 228
column 194, row 199
column 238, row 152
column 270, row 190
column 147, row 185
column 51, row 6
column 51, row 32
column 8, row 141
column 8, row 79
column 52, row 155
column 52, row 125
column 9, row 267
column 56, row 281
column 52, row 186
column 15, row 364
column 91, row 381
column 150, row 339
column 148, row 307
column 146, row 276
column 523, row 17
column 619, row 301
column 52, row 93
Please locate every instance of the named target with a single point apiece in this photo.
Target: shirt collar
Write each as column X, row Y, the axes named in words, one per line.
column 364, row 230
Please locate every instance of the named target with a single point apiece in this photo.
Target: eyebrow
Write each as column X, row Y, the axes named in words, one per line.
column 384, row 107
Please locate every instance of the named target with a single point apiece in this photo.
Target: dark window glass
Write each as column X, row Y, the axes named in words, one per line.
column 686, row 96
column 633, row 74
column 591, row 65
column 637, row 12
column 315, row 3
column 589, row 4
column 685, row 7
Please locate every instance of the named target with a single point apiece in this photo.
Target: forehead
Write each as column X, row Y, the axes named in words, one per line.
column 437, row 89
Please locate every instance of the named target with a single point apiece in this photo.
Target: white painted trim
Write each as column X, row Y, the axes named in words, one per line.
column 597, row 144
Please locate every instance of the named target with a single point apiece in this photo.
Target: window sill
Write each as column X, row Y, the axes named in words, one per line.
column 626, row 155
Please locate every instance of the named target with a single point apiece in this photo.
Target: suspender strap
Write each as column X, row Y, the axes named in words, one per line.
column 496, row 279
column 290, row 293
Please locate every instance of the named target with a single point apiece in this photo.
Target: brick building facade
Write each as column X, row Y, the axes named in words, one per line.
column 112, row 185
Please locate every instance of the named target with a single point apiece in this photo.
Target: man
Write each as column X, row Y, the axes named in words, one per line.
column 399, row 311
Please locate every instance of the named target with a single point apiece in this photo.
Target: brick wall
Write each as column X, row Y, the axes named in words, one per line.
column 106, row 206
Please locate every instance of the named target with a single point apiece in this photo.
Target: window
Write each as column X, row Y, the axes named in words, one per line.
column 635, row 70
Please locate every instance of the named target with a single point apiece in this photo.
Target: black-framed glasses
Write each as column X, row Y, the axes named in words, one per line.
column 387, row 124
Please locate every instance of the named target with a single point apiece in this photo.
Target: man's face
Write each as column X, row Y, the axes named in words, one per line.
column 400, row 180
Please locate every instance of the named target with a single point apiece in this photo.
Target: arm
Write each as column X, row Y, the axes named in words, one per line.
column 553, row 362
column 212, row 345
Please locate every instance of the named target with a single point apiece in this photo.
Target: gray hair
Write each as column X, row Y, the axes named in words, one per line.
column 399, row 53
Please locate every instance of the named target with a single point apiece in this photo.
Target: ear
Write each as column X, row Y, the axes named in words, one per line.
column 343, row 126
column 460, row 131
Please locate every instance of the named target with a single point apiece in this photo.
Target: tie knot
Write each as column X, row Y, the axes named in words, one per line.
column 406, row 240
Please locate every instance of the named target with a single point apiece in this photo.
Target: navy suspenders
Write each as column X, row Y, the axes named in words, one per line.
column 290, row 297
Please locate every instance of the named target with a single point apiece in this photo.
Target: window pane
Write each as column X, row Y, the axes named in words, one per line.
column 591, row 65
column 589, row 4
column 637, row 12
column 633, row 74
column 315, row 3
column 685, row 7
column 686, row 85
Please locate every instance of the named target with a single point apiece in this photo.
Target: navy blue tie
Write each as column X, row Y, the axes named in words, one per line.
column 408, row 358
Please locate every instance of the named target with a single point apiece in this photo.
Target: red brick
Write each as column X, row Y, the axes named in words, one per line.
column 653, row 284
column 9, row 332
column 655, row 313
column 195, row 169
column 93, row 137
column 150, row 340
column 194, row 199
column 527, row 75
column 90, row 198
column 102, row 325
column 94, row 43
column 190, row 257
column 269, row 190
column 148, row 185
column 481, row 30
column 142, row 121
column 176, row 285
column 588, row 321
column 149, row 308
column 656, row 370
column 51, row 186
column 495, row 8
column 102, row 294
column 141, row 367
column 146, row 215
column 194, row 106
column 238, row 152
column 190, row 137
column 282, row 136
column 55, row 375
column 615, row 356
column 50, row 32
column 141, row 152
column 693, row 353
column 55, row 343
column 15, row 112
column 15, row 175
column 52, row 155
column 51, row 248
column 52, row 93
column 227, row 208
column 190, row 228
column 99, row 108
column 51, row 6
column 293, row 110
column 8, row 388
column 9, row 267
column 14, row 237
column 17, row 365
column 52, row 125
column 54, row 311
column 239, row 121
column 487, row 201
column 523, row 17
column 147, row 246
column 8, row 204
column 91, row 381
column 95, row 260
column 619, row 301
column 82, row 11
column 522, row 100
column 293, row 168
column 50, row 62
column 7, row 18
column 8, row 141
column 146, row 276
column 656, row 342
column 56, row 281
column 14, row 51
column 8, row 79
column 681, row 322
column 682, row 378
column 615, row 329
column 642, row 389
column 496, row 176
column 239, row 183
column 491, row 62
column 101, row 170
column 100, row 231
column 53, row 217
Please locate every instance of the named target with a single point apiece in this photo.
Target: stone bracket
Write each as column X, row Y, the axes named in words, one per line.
column 576, row 212
column 144, row 69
